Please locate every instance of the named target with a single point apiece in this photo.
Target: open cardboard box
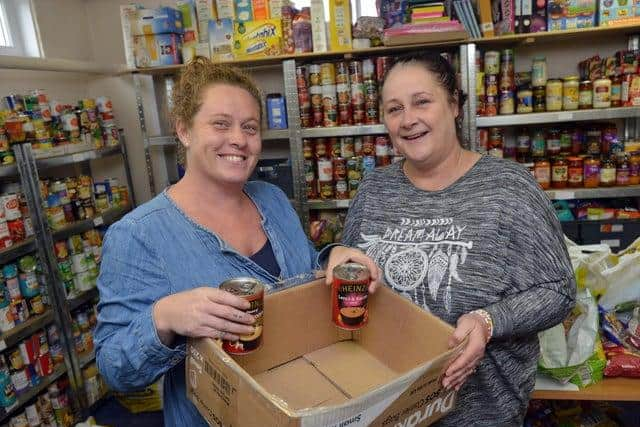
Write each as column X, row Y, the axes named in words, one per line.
column 308, row 372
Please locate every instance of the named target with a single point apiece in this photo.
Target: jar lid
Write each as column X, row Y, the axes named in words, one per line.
column 571, row 78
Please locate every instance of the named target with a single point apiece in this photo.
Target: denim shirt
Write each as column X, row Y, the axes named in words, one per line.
column 155, row 251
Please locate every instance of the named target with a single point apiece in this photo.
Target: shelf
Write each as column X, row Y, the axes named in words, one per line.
column 172, row 141
column 275, row 134
column 24, row 330
column 86, row 358
column 82, row 298
column 8, row 170
column 329, row 204
column 611, row 389
column 76, row 157
column 594, row 193
column 61, row 65
column 558, row 116
column 568, row 36
column 343, row 131
column 162, row 141
column 25, row 398
column 107, row 217
column 17, row 250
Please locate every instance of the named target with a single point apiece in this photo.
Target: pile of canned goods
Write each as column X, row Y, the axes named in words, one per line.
column 94, row 385
column 334, row 167
column 341, row 93
column 15, row 222
column 77, row 198
column 83, row 323
column 50, row 409
column 22, row 292
column 45, row 124
column 78, row 259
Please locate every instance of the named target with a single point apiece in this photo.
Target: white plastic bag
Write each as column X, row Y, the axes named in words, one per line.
column 624, row 281
column 589, row 261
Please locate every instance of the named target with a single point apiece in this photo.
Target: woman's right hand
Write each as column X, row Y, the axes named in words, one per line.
column 202, row 312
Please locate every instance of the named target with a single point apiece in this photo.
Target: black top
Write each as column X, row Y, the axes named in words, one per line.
column 266, row 259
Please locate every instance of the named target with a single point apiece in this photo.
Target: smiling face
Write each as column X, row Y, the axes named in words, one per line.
column 419, row 114
column 223, row 142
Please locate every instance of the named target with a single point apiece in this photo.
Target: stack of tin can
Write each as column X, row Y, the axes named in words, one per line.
column 495, row 83
column 78, row 258
column 83, row 323
column 94, row 385
column 67, row 200
column 15, row 222
column 24, row 366
column 341, row 93
column 50, row 409
column 334, row 166
column 21, row 293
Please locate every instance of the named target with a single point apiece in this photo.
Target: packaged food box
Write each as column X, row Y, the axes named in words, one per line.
column 570, row 14
column 158, row 21
column 257, row 38
column 221, row 39
column 340, row 25
column 244, row 10
column 189, row 21
column 205, row 11
column 153, row 50
column 308, row 372
column 616, row 10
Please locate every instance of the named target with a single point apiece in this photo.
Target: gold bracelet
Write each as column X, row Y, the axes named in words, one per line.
column 487, row 320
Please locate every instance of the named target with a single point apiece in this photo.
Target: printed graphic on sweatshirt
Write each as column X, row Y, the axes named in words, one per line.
column 420, row 251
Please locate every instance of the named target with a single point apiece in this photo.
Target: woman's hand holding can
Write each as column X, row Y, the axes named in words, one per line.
column 342, row 254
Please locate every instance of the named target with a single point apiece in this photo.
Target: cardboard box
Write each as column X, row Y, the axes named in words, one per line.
column 221, row 40
column 340, row 25
column 260, row 9
column 318, row 26
column 615, row 10
column 189, row 21
column 244, row 10
column 275, row 8
column 226, row 9
column 158, row 21
column 128, row 18
column 257, row 38
column 154, row 50
column 570, row 14
column 206, row 11
column 310, row 373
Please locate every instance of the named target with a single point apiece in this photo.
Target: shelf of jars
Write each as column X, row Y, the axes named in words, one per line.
column 266, row 135
column 107, row 217
column 74, row 155
column 30, row 394
column 17, row 250
column 338, row 131
column 609, row 389
column 21, row 331
column 86, row 358
column 558, row 117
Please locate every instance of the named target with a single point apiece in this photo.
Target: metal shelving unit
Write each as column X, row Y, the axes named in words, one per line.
column 343, row 131
column 107, row 217
column 82, row 298
column 19, row 332
column 17, row 250
column 558, row 116
column 594, row 193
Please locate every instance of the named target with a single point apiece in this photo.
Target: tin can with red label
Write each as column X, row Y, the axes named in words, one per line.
column 11, row 206
column 326, row 189
column 339, row 168
column 342, row 189
column 368, row 145
column 17, row 230
column 5, row 235
column 253, row 291
column 334, row 147
column 349, row 295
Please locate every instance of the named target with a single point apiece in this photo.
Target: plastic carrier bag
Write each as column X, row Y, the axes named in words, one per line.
column 572, row 351
column 148, row 399
column 589, row 262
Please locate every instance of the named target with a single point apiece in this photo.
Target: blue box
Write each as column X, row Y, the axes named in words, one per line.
column 276, row 112
column 154, row 50
column 570, row 14
column 158, row 21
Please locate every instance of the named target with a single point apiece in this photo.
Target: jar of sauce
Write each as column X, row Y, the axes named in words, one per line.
column 602, row 93
column 591, row 172
column 523, row 145
column 525, row 100
column 553, row 142
column 576, row 141
column 539, row 99
column 539, row 71
column 538, row 144
column 559, row 173
column 634, row 168
column 623, row 171
column 585, row 95
column 570, row 93
column 616, row 91
column 608, row 173
column 594, row 141
column 554, row 95
column 565, row 141
column 575, row 171
column 542, row 170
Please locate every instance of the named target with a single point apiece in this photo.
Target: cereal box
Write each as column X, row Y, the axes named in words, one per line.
column 257, row 38
column 260, row 9
column 244, row 10
column 189, row 21
column 340, row 25
column 616, row 10
column 570, row 14
column 158, row 21
column 225, row 9
column 221, row 39
column 153, row 50
column 206, row 11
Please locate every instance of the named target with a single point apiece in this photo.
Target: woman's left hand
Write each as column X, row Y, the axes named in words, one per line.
column 466, row 363
column 341, row 254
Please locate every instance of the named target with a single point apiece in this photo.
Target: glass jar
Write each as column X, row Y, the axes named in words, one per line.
column 570, row 93
column 608, row 173
column 623, row 171
column 575, row 171
column 559, row 172
column 585, row 95
column 539, row 71
column 539, row 99
column 538, row 144
column 523, row 145
column 576, row 141
column 591, row 176
column 565, row 141
column 602, row 93
column 553, row 142
column 634, row 168
column 554, row 95
column 616, row 91
column 594, row 141
column 542, row 170
column 525, row 100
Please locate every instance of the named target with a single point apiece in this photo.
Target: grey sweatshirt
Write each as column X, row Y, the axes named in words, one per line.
column 490, row 240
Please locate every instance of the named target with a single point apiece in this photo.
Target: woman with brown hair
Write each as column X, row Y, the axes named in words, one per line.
column 162, row 262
